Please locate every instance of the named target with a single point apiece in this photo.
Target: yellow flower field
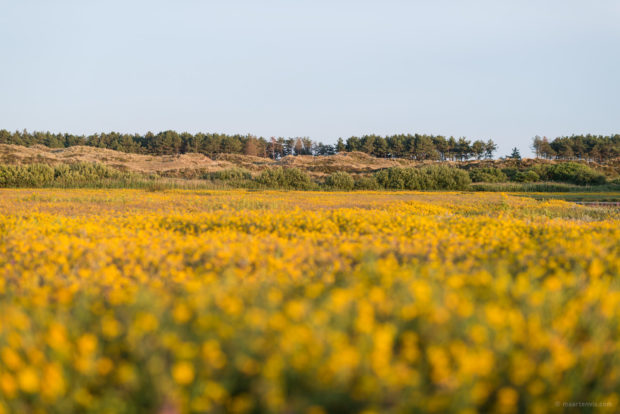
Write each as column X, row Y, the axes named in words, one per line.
column 128, row 301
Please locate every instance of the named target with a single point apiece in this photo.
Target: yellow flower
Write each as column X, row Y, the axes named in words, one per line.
column 87, row 344
column 507, row 398
column 11, row 358
column 104, row 366
column 394, row 300
column 53, row 384
column 183, row 373
column 28, row 380
column 181, row 313
column 110, row 327
column 8, row 385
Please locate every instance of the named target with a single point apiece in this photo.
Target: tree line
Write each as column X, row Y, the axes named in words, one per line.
column 412, row 146
column 578, row 147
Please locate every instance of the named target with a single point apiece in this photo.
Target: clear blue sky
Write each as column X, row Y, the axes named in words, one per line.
column 505, row 70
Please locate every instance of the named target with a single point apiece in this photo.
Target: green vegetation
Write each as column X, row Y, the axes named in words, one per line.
column 528, row 176
column 64, row 175
column 562, row 177
column 235, row 177
column 366, row 183
column 340, row 181
column 229, row 174
column 487, row 175
column 515, row 154
column 542, row 187
column 412, row 146
column 582, row 147
column 573, row 172
column 582, row 197
column 286, row 178
column 435, row 177
column 565, row 172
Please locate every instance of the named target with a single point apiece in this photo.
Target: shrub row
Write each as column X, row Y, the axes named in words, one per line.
column 487, row 175
column 285, row 178
column 340, row 181
column 234, row 174
column 571, row 172
column 566, row 172
column 42, row 175
column 433, row 177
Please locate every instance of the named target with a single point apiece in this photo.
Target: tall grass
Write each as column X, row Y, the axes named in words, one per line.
column 542, row 187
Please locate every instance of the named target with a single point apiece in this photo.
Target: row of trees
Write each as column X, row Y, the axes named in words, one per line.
column 171, row 142
column 578, row 147
column 422, row 147
column 413, row 146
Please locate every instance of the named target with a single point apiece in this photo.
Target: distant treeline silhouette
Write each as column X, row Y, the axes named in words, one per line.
column 413, row 146
column 578, row 147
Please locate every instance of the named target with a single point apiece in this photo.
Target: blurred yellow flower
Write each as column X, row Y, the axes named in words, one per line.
column 183, row 372
column 239, row 301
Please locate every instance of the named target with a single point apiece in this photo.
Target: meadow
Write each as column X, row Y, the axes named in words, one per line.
column 207, row 301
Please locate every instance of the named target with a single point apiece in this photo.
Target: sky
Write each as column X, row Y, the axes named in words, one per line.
column 503, row 70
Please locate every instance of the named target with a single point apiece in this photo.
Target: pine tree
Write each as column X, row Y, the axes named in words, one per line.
column 478, row 148
column 251, row 147
column 424, row 149
column 340, row 146
column 546, row 151
column 490, row 148
column 536, row 145
column 299, row 147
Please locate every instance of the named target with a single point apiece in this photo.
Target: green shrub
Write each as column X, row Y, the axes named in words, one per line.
column 63, row 175
column 297, row 179
column 397, row 178
column 287, row 178
column 366, row 183
column 273, row 177
column 40, row 174
column 527, row 176
column 232, row 174
column 510, row 172
column 31, row 175
column 487, row 175
column 340, row 180
column 442, row 177
column 433, row 177
column 542, row 170
column 572, row 172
